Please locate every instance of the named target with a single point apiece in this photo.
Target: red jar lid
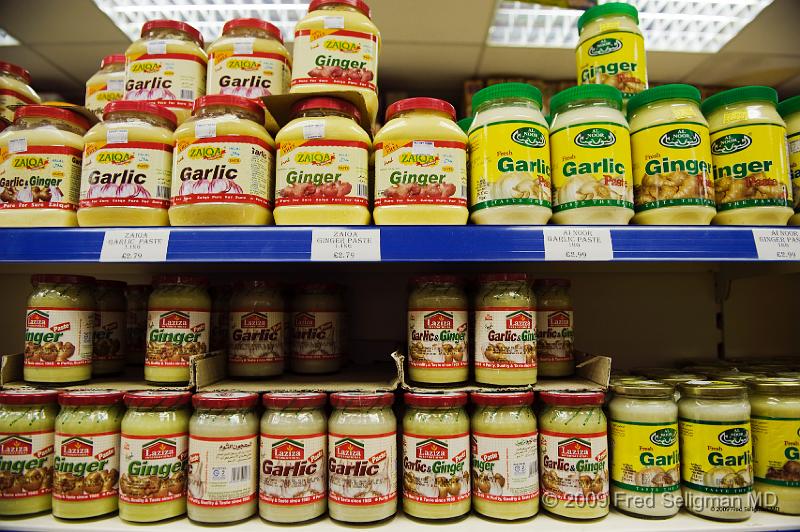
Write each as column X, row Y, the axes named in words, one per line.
column 112, row 59
column 496, row 277
column 419, row 279
column 193, row 32
column 49, row 111
column 257, row 23
column 502, row 399
column 411, row 104
column 140, row 107
column 230, row 100
column 108, row 283
column 334, row 104
column 572, row 398
column 16, row 70
column 223, row 400
column 450, row 399
column 358, row 4
column 359, row 399
column 90, row 397
column 28, row 397
column 155, row 398
column 553, row 282
column 294, row 400
column 61, row 279
column 196, row 280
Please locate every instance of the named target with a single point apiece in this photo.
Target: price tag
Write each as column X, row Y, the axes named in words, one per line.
column 345, row 245
column 333, row 23
column 422, row 147
column 243, row 46
column 116, row 85
column 314, row 129
column 117, row 136
column 157, row 47
column 17, row 145
column 205, row 130
column 135, row 245
column 577, row 244
column 777, row 244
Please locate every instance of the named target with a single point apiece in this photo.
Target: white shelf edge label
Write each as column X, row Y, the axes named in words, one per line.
column 777, row 244
column 577, row 243
column 135, row 245
column 345, row 245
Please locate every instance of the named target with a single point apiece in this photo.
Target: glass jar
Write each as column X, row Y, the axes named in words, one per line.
column 223, row 457
column 362, row 457
column 734, row 375
column 86, row 465
column 505, row 330
column 249, row 60
column 323, row 164
column 220, row 315
column 15, row 89
column 591, row 154
column 106, row 85
column 750, row 156
column 420, row 165
column 573, row 437
column 109, row 341
column 789, row 110
column 436, row 455
column 223, row 163
column 154, row 455
column 27, row 421
column 137, row 296
column 127, row 167
column 438, row 330
column 505, row 455
column 318, row 323
column 716, row 450
column 509, row 157
column 256, row 346
column 676, row 379
column 41, row 171
column 294, row 431
column 59, row 324
column 554, row 328
column 178, row 323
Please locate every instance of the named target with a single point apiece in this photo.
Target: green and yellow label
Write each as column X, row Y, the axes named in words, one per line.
column 645, row 456
column 776, row 450
column 716, row 457
column 613, row 58
column 794, row 168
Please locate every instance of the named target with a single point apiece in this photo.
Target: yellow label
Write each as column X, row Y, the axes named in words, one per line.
column 645, row 457
column 98, row 95
column 510, row 165
column 172, row 80
column 39, row 177
column 717, row 457
column 751, row 167
column 250, row 75
column 591, row 166
column 776, row 450
column 672, row 166
column 794, row 168
column 613, row 58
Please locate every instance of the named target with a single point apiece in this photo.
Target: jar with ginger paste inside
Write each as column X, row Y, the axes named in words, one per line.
column 789, row 110
column 109, row 346
column 106, row 85
column 15, row 89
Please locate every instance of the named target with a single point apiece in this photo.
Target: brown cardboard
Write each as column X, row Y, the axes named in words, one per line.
column 279, row 107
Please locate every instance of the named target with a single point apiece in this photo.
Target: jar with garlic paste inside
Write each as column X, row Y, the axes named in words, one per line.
column 318, row 324
column 109, row 346
column 554, row 328
column 789, row 110
column 106, row 85
column 257, row 330
column 137, row 296
column 15, row 89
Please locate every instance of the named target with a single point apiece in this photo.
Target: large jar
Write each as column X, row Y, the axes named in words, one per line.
column 362, row 457
column 420, row 165
column 505, row 330
column 27, row 423
column 318, row 324
column 59, row 326
column 554, row 328
column 750, row 156
column 256, row 346
column 438, row 330
column 505, row 455
column 15, row 89
column 109, row 345
column 41, row 170
column 106, row 85
column 293, row 481
column 789, row 110
column 136, row 322
column 86, row 465
column 436, row 455
column 154, row 455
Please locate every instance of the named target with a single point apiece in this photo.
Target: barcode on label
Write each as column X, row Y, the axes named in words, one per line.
column 240, row 474
column 162, row 192
column 187, row 94
column 463, row 191
column 361, row 190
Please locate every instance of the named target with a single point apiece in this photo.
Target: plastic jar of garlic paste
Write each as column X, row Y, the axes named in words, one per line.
column 336, row 47
column 509, row 157
column 256, row 345
column 748, row 149
column 154, row 455
column 420, row 165
column 86, row 465
column 109, row 346
column 249, row 60
column 178, row 323
column 436, row 455
column 293, row 481
column 59, row 324
column 672, row 173
column 106, row 85
column 554, row 328
column 362, row 457
column 137, row 296
column 222, row 165
column 41, row 169
column 321, row 176
column 27, row 421
column 318, row 323
column 15, row 89
column 127, row 167
column 167, row 66
column 789, row 110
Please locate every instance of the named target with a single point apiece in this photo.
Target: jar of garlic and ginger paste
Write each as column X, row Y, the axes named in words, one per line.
column 137, row 296
column 109, row 346
column 15, row 89
column 256, row 328
column 438, row 330
column 554, row 328
column 106, row 85
column 318, row 326
column 294, row 444
column 789, row 110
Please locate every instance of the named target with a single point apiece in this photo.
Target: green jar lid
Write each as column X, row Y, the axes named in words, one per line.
column 675, row 91
column 741, row 94
column 607, row 10
column 506, row 90
column 465, row 123
column 592, row 91
column 789, row 106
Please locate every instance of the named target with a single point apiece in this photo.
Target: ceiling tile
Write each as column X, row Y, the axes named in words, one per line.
column 413, row 66
column 65, row 21
column 433, row 21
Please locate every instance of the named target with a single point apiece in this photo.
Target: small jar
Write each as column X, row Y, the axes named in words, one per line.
column 59, row 325
column 716, row 450
column 505, row 330
column 42, row 167
column 178, row 323
column 256, row 346
column 220, row 315
column 106, row 85
column 509, row 157
column 420, row 165
column 362, row 457
column 505, row 456
column 323, row 165
column 86, row 465
column 154, row 455
column 554, row 328
column 318, row 322
column 789, row 110
column 27, row 422
column 223, row 457
column 109, row 345
column 15, row 89
column 137, row 296
column 436, row 455
column 645, row 458
column 438, row 330
column 750, row 156
column 223, row 163
column 127, row 167
column 573, row 453
column 775, row 418
column 249, row 60
column 293, row 484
